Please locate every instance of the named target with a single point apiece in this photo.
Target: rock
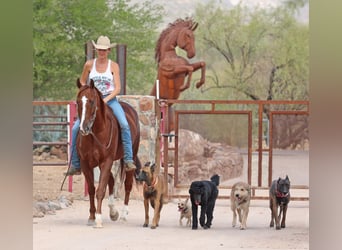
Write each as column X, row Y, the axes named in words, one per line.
column 200, row 159
column 54, row 205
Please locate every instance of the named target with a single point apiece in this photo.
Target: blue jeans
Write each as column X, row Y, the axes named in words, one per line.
column 125, row 134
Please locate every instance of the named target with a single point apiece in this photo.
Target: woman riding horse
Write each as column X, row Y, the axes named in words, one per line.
column 91, row 152
column 106, row 77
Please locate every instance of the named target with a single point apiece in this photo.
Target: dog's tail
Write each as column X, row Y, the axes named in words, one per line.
column 216, row 179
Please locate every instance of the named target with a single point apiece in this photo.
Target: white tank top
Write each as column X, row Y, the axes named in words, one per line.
column 103, row 81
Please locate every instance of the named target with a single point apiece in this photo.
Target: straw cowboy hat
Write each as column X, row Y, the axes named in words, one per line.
column 103, row 42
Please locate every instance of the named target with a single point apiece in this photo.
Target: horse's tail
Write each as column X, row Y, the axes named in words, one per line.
column 138, row 165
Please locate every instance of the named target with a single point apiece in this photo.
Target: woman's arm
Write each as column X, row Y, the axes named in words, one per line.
column 116, row 78
column 86, row 70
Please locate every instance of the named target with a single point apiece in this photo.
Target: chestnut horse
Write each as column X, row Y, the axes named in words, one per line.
column 99, row 144
column 173, row 69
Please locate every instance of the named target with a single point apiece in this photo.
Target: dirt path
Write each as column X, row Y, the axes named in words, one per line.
column 67, row 228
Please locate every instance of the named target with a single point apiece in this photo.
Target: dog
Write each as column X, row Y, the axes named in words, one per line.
column 154, row 192
column 185, row 211
column 204, row 193
column 240, row 197
column 279, row 197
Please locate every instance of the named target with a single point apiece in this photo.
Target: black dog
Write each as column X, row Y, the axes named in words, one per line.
column 204, row 193
column 279, row 197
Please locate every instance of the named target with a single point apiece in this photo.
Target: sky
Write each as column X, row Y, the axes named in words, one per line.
column 185, row 8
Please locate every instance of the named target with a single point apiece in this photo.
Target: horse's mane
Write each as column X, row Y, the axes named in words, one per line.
column 179, row 23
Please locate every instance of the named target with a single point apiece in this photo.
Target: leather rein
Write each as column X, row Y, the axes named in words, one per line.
column 91, row 131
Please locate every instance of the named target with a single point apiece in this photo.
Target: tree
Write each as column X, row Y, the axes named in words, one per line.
column 61, row 28
column 261, row 54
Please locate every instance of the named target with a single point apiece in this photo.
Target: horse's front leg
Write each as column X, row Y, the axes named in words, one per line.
column 105, row 168
column 89, row 176
column 200, row 65
column 178, row 70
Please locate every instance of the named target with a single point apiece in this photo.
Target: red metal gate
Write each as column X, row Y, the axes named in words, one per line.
column 273, row 108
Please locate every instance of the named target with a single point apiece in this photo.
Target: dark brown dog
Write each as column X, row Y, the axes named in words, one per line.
column 155, row 189
column 279, row 197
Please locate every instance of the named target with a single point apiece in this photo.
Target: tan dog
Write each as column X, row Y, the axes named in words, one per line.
column 240, row 197
column 154, row 191
column 185, row 211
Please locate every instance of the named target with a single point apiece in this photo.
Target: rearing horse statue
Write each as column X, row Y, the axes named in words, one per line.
column 173, row 69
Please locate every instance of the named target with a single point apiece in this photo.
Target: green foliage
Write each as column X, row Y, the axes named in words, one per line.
column 61, row 28
column 259, row 54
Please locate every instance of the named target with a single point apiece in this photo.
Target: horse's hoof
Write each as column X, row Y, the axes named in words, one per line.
column 114, row 217
column 113, row 214
column 199, row 84
column 98, row 226
column 145, row 225
column 91, row 223
column 123, row 218
column 153, row 227
column 124, row 213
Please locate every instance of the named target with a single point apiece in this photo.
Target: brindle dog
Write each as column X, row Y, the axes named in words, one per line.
column 279, row 197
column 155, row 189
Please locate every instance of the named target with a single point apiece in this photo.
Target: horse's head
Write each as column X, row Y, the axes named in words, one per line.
column 186, row 39
column 179, row 33
column 87, row 102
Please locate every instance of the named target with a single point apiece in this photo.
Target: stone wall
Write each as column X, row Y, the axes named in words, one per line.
column 145, row 106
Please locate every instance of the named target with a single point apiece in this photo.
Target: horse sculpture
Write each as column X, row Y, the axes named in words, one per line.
column 99, row 144
column 173, row 69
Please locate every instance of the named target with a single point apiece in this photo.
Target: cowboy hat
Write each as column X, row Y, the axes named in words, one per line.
column 103, row 42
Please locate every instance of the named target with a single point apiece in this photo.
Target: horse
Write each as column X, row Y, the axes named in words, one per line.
column 99, row 144
column 173, row 69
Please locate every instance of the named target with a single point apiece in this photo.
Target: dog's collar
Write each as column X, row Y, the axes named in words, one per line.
column 154, row 182
column 185, row 209
column 281, row 195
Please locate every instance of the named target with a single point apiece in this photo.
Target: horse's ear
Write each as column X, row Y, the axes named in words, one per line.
column 194, row 26
column 78, row 83
column 91, row 83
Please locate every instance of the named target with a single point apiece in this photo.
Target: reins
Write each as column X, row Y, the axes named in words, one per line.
column 92, row 122
column 110, row 136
